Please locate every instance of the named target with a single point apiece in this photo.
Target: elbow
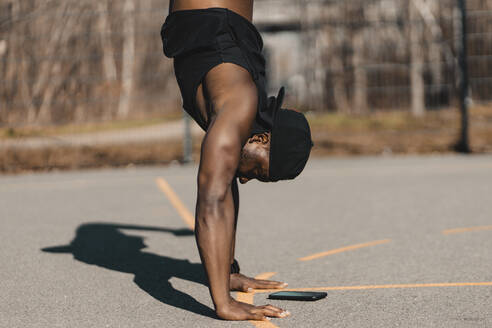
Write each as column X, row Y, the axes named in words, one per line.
column 211, row 202
column 211, row 189
column 211, row 197
column 210, row 213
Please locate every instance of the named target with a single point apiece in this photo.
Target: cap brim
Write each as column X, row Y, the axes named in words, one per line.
column 278, row 106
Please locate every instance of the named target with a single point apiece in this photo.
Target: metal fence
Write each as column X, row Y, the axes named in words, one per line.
column 394, row 54
column 78, row 61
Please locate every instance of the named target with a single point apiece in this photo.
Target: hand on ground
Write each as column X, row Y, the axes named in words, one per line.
column 241, row 311
column 245, row 284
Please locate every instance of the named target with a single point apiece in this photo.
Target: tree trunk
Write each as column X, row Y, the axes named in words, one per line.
column 435, row 50
column 360, row 75
column 53, row 75
column 16, row 71
column 109, row 65
column 339, row 91
column 128, row 59
column 429, row 9
column 416, row 62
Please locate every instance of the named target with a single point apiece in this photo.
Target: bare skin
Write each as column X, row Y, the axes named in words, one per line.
column 227, row 99
column 242, row 7
column 228, row 151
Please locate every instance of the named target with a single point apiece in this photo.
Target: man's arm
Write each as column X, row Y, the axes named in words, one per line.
column 225, row 86
column 232, row 93
column 215, row 207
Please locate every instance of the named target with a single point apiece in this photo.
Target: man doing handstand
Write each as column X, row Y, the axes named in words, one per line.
column 221, row 74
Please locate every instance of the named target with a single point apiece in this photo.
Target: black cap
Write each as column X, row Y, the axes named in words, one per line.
column 290, row 143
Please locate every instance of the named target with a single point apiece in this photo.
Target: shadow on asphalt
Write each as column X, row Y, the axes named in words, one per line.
column 104, row 245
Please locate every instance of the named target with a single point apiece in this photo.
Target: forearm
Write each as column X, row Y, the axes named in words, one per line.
column 214, row 232
column 235, row 197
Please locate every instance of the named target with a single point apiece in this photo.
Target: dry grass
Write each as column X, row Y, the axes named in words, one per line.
column 71, row 158
column 399, row 133
column 333, row 134
column 55, row 130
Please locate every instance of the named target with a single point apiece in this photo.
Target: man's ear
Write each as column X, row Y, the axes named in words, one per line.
column 264, row 138
column 254, row 138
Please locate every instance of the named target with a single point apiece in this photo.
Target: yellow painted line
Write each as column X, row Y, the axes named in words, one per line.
column 176, row 202
column 245, row 297
column 470, row 229
column 366, row 287
column 344, row 249
column 266, row 275
column 249, row 297
column 263, row 324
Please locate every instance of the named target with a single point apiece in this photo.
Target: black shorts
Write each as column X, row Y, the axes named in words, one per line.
column 201, row 39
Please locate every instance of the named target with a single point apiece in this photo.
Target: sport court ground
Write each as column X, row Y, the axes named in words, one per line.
column 395, row 242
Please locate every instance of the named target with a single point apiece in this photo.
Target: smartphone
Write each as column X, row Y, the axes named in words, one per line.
column 297, row 296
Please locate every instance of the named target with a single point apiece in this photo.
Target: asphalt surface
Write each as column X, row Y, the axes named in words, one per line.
column 72, row 251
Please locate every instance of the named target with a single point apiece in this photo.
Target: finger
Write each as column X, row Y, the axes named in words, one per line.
column 271, row 284
column 258, row 316
column 277, row 309
column 273, row 308
column 269, row 281
column 271, row 313
column 280, row 286
column 246, row 289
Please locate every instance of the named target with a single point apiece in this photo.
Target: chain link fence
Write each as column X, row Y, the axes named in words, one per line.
column 80, row 61
column 367, row 55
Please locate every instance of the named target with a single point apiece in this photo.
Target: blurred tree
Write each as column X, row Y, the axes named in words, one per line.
column 128, row 58
column 415, row 28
